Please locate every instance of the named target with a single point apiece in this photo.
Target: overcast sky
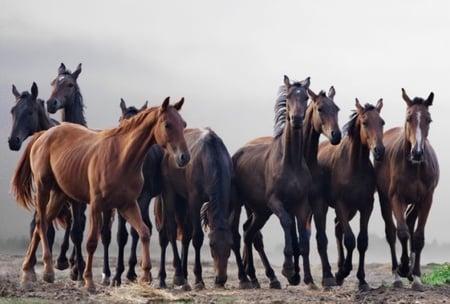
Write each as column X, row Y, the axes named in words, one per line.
column 228, row 58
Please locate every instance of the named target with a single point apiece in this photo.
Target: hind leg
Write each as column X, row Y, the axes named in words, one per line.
column 62, row 262
column 122, row 238
column 106, row 241
column 344, row 230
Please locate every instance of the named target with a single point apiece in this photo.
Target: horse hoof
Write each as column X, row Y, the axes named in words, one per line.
column 339, row 279
column 159, row 284
column 294, row 280
column 403, row 271
column 246, row 285
column 219, row 285
column 417, row 287
column 116, row 282
column 255, row 284
column 91, row 290
column 199, row 285
column 312, row 286
column 49, row 277
column 288, row 273
column 178, row 281
column 105, row 281
column 329, row 282
column 275, row 284
column 398, row 284
column 62, row 264
column 186, row 287
column 364, row 287
column 26, row 285
column 132, row 277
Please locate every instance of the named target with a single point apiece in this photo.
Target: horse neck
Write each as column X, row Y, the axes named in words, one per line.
column 310, row 139
column 74, row 112
column 359, row 153
column 45, row 122
column 137, row 141
column 290, row 144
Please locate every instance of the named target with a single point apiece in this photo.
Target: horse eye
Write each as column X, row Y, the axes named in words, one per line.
column 167, row 126
column 408, row 119
column 70, row 85
column 320, row 110
column 365, row 124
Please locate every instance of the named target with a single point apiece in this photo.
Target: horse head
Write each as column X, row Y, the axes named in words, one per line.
column 417, row 124
column 65, row 88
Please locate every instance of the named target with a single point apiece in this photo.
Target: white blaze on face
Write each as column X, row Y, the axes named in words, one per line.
column 419, row 139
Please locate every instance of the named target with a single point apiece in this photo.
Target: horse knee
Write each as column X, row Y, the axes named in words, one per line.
column 144, row 234
column 349, row 241
column 91, row 245
column 403, row 233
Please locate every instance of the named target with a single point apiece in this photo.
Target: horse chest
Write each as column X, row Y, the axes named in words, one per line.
column 292, row 184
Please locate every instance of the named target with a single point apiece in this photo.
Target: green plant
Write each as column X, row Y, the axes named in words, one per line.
column 439, row 276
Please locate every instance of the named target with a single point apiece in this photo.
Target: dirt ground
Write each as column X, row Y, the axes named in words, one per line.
column 66, row 291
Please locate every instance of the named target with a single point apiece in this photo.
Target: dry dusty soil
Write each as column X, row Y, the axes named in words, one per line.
column 66, row 291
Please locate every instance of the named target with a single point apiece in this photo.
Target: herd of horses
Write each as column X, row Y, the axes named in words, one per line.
column 196, row 183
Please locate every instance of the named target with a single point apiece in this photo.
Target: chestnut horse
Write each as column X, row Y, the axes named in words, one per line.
column 151, row 171
column 207, row 178
column 103, row 169
column 274, row 178
column 407, row 178
column 349, row 179
column 321, row 118
column 28, row 117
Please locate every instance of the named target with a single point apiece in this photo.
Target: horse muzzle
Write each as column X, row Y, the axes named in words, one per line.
column 336, row 137
column 52, row 105
column 417, row 156
column 378, row 153
column 14, row 143
column 182, row 159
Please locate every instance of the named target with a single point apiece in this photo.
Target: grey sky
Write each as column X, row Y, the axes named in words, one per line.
column 227, row 58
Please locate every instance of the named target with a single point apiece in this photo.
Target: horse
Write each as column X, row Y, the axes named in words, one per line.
column 349, row 179
column 102, row 169
column 274, row 178
column 321, row 118
column 207, row 178
column 28, row 117
column 406, row 180
column 151, row 172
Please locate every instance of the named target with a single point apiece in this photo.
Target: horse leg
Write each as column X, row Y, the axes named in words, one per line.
column 62, row 262
column 95, row 226
column 133, row 216
column 320, row 210
column 235, row 213
column 304, row 230
column 197, row 242
column 28, row 273
column 391, row 237
column 403, row 235
column 363, row 242
column 185, row 241
column 76, row 234
column 295, row 280
column 122, row 238
column 162, row 275
column 106, row 241
column 344, row 234
column 419, row 242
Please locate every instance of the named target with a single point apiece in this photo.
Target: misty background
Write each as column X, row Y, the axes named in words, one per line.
column 228, row 58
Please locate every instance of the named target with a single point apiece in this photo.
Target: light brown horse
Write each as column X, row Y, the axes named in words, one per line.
column 349, row 182
column 103, row 169
column 273, row 178
column 407, row 178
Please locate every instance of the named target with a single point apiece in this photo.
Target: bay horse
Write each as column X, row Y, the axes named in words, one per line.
column 151, row 171
column 321, row 118
column 206, row 179
column 350, row 182
column 406, row 180
column 29, row 116
column 274, row 178
column 102, row 169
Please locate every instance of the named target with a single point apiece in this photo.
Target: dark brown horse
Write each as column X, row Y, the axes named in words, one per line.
column 100, row 168
column 151, row 171
column 407, row 178
column 29, row 117
column 207, row 178
column 321, row 118
column 274, row 178
column 350, row 182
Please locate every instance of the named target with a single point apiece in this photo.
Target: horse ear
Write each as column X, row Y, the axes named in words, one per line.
column 34, row 90
column 406, row 97
column 179, row 104
column 144, row 106
column 359, row 108
column 331, row 93
column 287, row 82
column 164, row 105
column 123, row 106
column 62, row 68
column 429, row 100
column 77, row 72
column 15, row 92
column 312, row 94
column 306, row 82
column 379, row 105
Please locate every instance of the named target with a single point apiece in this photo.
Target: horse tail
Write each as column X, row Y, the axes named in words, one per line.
column 204, row 216
column 22, row 181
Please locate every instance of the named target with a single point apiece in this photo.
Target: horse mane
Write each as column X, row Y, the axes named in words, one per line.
column 281, row 109
column 349, row 127
column 418, row 101
column 131, row 123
